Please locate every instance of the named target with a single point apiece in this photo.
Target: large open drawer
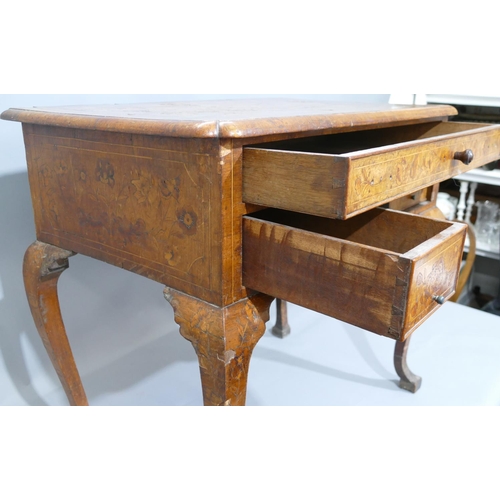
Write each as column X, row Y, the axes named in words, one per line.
column 384, row 271
column 341, row 175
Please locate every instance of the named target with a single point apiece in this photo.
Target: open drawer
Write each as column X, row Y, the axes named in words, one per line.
column 342, row 175
column 384, row 271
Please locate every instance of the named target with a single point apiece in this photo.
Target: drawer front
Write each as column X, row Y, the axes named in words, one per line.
column 310, row 177
column 381, row 271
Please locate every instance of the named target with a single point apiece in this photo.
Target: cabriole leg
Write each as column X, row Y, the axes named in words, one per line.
column 223, row 338
column 408, row 380
column 43, row 264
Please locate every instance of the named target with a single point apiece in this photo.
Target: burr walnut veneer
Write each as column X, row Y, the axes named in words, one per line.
column 231, row 204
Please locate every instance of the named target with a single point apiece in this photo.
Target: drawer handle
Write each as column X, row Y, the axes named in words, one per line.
column 464, row 156
column 439, row 299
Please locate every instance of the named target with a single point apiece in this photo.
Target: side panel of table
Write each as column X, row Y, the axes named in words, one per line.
column 148, row 204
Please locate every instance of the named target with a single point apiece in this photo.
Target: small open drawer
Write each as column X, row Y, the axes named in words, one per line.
column 341, row 175
column 384, row 271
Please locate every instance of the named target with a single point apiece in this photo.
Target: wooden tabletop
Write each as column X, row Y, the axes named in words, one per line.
column 228, row 118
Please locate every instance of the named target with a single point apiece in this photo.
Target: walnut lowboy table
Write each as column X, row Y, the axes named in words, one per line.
column 231, row 204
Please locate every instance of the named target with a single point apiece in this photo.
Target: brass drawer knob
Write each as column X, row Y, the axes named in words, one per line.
column 465, row 157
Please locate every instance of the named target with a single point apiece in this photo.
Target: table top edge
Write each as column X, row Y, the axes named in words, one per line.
column 278, row 122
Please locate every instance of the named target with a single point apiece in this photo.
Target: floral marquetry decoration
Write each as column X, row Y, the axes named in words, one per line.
column 105, row 172
column 144, row 202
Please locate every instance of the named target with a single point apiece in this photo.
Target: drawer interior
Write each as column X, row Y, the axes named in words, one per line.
column 382, row 229
column 349, row 142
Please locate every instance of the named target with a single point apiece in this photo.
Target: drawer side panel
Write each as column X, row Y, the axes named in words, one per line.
column 354, row 283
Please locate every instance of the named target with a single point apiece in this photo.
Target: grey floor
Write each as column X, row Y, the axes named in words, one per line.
column 129, row 351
